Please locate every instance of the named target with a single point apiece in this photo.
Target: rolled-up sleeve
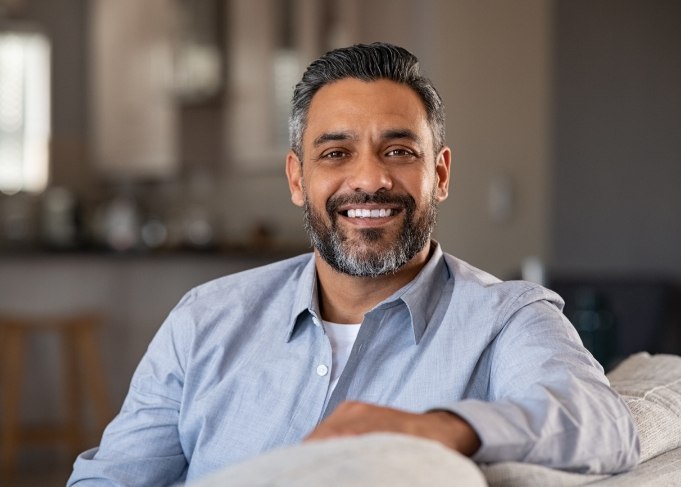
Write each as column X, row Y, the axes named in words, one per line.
column 549, row 401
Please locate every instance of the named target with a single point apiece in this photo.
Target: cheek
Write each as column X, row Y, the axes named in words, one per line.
column 419, row 185
column 320, row 187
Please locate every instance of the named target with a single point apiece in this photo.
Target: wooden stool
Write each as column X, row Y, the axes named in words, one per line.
column 82, row 375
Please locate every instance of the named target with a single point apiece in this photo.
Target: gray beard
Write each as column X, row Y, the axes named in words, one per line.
column 333, row 246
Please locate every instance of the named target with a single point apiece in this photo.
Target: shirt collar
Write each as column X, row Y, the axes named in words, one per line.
column 305, row 297
column 421, row 295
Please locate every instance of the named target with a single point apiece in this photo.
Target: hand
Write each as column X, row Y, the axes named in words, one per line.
column 357, row 418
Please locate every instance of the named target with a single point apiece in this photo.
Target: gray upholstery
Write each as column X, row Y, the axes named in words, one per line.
column 382, row 459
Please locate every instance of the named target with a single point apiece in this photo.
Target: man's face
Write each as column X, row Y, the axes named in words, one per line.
column 370, row 181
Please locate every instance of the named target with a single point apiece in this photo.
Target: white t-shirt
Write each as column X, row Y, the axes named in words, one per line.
column 342, row 338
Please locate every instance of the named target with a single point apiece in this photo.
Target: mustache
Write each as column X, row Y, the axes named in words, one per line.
column 360, row 198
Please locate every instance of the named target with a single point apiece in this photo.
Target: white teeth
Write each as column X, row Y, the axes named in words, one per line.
column 365, row 213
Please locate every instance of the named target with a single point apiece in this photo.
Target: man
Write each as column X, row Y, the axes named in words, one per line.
column 378, row 330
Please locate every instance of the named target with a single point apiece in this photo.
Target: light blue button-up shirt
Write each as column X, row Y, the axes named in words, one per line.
column 241, row 366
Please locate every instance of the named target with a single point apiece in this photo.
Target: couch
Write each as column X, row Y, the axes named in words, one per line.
column 649, row 384
column 651, row 387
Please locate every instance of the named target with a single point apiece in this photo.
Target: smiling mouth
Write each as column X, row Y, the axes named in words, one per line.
column 369, row 213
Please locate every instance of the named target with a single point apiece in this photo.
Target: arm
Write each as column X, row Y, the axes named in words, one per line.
column 549, row 404
column 549, row 401
column 141, row 446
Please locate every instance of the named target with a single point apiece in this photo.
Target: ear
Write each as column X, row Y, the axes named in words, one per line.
column 294, row 174
column 442, row 171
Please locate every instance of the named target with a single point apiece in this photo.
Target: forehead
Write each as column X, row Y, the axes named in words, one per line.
column 353, row 105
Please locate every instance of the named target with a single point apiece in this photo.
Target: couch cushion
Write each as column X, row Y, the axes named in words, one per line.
column 651, row 387
column 662, row 471
column 516, row 474
column 375, row 460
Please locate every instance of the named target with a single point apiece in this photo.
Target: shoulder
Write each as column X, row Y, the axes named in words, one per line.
column 263, row 281
column 235, row 303
column 495, row 295
column 486, row 308
column 274, row 275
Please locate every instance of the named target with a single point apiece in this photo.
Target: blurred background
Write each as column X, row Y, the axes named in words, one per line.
column 142, row 147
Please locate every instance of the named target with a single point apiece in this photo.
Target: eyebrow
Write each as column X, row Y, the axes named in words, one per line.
column 400, row 134
column 390, row 134
column 333, row 136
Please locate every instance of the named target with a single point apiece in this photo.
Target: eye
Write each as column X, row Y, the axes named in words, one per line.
column 400, row 152
column 333, row 154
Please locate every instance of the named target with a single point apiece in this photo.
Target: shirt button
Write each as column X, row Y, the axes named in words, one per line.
column 315, row 321
column 322, row 370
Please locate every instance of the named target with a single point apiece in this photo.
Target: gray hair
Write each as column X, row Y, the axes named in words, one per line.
column 366, row 62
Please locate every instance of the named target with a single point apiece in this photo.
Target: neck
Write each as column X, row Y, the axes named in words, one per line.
column 346, row 299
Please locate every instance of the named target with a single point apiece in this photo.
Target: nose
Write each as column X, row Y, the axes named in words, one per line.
column 369, row 174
